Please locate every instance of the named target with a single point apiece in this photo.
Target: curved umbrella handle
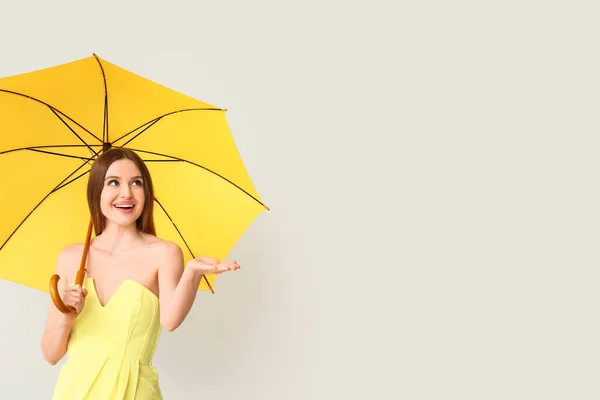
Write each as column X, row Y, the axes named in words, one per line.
column 62, row 307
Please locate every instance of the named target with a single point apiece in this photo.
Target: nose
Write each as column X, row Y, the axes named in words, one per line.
column 125, row 192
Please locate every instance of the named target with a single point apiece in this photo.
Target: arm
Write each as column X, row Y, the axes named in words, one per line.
column 178, row 286
column 58, row 325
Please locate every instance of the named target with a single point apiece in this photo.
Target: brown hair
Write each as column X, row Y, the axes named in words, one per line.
column 145, row 222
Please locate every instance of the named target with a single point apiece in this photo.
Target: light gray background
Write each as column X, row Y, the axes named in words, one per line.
column 433, row 172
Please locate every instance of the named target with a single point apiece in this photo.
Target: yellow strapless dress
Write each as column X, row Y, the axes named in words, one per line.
column 111, row 347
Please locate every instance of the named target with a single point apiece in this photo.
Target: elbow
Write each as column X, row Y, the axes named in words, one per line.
column 52, row 361
column 50, row 358
column 169, row 326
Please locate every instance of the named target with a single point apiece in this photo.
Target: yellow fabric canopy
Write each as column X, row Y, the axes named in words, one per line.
column 53, row 124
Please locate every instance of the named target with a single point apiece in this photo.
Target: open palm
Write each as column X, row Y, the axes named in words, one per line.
column 209, row 265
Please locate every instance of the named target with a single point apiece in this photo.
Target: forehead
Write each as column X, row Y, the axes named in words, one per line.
column 123, row 168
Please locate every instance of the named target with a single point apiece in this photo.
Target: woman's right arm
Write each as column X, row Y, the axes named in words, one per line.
column 58, row 325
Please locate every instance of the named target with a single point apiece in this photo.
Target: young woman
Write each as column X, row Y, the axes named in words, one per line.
column 135, row 284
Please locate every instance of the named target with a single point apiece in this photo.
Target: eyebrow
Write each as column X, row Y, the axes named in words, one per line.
column 118, row 177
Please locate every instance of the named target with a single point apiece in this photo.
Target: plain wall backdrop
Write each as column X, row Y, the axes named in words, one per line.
column 432, row 169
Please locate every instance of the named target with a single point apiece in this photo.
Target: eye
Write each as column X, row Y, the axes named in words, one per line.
column 137, row 182
column 112, row 182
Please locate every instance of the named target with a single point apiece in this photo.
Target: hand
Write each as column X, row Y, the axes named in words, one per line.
column 212, row 266
column 74, row 296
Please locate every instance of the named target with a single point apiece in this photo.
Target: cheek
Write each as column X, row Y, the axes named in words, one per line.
column 104, row 197
column 104, row 206
column 140, row 197
column 142, row 201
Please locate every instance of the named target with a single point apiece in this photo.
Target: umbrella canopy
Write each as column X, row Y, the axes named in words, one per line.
column 54, row 123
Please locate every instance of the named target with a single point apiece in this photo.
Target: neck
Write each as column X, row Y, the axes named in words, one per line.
column 116, row 237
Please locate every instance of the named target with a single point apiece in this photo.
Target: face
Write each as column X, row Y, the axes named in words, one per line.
column 122, row 199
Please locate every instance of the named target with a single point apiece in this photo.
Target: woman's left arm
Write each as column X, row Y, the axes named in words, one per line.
column 178, row 286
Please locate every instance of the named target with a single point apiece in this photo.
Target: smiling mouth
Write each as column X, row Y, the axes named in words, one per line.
column 124, row 208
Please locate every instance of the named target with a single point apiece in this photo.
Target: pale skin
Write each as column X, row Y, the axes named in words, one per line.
column 122, row 252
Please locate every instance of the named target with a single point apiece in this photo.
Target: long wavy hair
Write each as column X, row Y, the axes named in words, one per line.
column 145, row 222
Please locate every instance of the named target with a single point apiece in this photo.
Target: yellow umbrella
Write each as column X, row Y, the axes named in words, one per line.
column 54, row 122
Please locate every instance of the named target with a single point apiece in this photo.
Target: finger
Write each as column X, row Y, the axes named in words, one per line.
column 72, row 299
column 71, row 303
column 85, row 292
column 226, row 267
column 74, row 296
column 76, row 290
column 63, row 284
column 217, row 269
column 79, row 305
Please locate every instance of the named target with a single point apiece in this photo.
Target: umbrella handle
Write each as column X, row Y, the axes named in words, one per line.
column 54, row 294
column 62, row 307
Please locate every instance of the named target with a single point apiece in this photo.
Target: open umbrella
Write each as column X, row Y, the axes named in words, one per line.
column 54, row 122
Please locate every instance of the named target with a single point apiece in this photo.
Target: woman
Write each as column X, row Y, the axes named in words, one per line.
column 135, row 284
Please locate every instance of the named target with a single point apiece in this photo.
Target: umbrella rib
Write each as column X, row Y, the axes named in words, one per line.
column 52, row 108
column 161, row 160
column 204, row 168
column 153, row 121
column 182, row 238
column 49, row 146
column 60, row 185
column 105, row 123
column 56, row 189
column 58, row 154
column 71, row 129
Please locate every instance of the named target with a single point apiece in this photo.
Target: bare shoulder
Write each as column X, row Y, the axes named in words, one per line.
column 73, row 249
column 69, row 259
column 164, row 250
column 169, row 257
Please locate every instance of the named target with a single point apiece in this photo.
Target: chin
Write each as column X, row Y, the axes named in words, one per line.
column 120, row 221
